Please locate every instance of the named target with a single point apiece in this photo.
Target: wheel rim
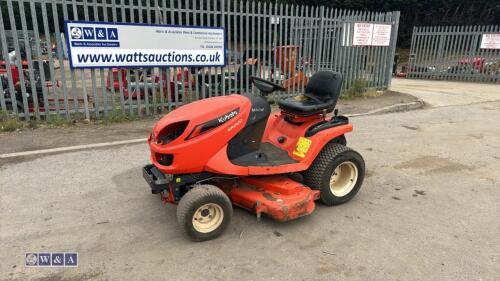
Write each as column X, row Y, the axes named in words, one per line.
column 343, row 179
column 208, row 218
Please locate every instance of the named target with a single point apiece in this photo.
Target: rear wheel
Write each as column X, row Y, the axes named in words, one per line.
column 338, row 173
column 204, row 211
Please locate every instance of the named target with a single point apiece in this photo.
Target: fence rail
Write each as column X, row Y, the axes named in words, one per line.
column 454, row 53
column 321, row 38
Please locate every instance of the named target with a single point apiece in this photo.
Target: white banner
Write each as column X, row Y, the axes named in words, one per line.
column 381, row 35
column 363, row 33
column 371, row 34
column 98, row 45
column 490, row 41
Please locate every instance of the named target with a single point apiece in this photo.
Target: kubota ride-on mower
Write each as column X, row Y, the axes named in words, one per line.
column 232, row 150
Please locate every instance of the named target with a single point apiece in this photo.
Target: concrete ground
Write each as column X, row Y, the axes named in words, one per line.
column 428, row 210
column 444, row 93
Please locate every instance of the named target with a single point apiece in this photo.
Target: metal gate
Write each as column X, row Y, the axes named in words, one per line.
column 284, row 43
column 454, row 53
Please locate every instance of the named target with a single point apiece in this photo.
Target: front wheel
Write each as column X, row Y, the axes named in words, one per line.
column 338, row 173
column 204, row 211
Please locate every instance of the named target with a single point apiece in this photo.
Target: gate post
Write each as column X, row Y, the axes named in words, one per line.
column 390, row 59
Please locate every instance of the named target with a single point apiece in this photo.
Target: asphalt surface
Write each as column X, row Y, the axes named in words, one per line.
column 444, row 93
column 428, row 210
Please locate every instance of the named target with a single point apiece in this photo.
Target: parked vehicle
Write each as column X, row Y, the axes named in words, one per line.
column 15, row 98
column 141, row 82
column 230, row 150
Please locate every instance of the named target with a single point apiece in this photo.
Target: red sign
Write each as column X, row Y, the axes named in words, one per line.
column 363, row 33
column 490, row 41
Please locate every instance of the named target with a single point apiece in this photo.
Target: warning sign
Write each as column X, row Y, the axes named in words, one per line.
column 363, row 33
column 381, row 35
column 490, row 41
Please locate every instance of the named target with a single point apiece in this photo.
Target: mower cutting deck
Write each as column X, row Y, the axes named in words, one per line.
column 218, row 152
column 278, row 196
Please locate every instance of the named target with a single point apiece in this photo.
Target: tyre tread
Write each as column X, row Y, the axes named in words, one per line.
column 314, row 175
column 200, row 192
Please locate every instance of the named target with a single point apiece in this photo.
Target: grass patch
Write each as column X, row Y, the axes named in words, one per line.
column 56, row 121
column 9, row 124
column 358, row 88
column 117, row 116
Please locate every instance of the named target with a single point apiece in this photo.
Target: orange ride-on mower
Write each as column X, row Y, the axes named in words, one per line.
column 232, row 150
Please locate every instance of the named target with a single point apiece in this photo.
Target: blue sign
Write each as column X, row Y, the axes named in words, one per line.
column 112, row 33
column 100, row 33
column 51, row 259
column 94, row 44
column 88, row 33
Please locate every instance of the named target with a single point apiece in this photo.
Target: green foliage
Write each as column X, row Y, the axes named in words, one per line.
column 3, row 116
column 358, row 88
column 117, row 116
column 56, row 121
column 9, row 124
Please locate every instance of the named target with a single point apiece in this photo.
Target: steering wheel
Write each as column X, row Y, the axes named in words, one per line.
column 265, row 86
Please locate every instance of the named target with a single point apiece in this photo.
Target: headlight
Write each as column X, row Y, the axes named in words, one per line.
column 170, row 132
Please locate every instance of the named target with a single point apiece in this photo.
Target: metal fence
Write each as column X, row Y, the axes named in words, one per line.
column 283, row 43
column 454, row 53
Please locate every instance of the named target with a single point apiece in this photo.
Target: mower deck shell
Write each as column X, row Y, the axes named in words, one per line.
column 277, row 196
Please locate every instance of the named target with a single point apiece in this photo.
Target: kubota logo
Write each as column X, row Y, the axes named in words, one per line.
column 228, row 116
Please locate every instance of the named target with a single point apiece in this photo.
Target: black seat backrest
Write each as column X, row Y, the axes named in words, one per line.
column 324, row 86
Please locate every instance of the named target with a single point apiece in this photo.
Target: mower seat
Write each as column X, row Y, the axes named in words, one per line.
column 321, row 93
